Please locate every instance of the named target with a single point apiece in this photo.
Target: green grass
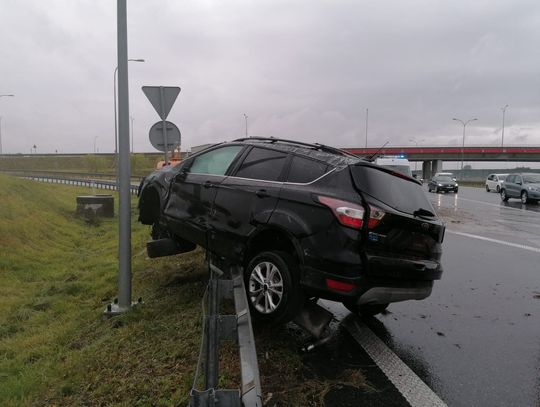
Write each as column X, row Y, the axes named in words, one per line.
column 57, row 273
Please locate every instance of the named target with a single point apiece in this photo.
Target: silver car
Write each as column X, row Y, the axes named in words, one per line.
column 524, row 186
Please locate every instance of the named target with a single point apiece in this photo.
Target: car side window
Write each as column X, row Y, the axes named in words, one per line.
column 304, row 170
column 491, row 177
column 215, row 162
column 263, row 164
column 510, row 179
column 518, row 179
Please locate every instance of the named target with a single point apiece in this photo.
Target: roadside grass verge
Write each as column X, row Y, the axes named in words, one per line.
column 58, row 273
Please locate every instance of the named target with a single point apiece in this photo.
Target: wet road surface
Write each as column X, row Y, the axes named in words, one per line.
column 476, row 340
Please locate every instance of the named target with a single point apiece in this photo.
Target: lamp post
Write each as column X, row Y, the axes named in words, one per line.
column 115, row 119
column 502, row 137
column 367, row 117
column 1, row 151
column 416, row 142
column 464, row 124
column 132, row 120
column 246, row 117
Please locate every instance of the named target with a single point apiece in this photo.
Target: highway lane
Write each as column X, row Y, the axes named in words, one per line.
column 476, row 340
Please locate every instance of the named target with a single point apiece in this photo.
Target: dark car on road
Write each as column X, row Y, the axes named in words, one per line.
column 444, row 183
column 304, row 220
column 524, row 186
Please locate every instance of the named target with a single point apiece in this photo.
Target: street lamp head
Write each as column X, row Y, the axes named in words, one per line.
column 7, row 95
column 136, row 60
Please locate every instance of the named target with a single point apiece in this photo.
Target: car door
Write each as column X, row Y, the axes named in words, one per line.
column 510, row 186
column 518, row 184
column 193, row 190
column 245, row 200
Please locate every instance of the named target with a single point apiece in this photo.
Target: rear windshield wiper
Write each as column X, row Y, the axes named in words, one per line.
column 423, row 213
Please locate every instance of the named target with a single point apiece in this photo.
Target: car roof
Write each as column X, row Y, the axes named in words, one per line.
column 330, row 155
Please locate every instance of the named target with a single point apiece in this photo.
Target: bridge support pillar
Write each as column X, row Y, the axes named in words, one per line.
column 436, row 166
column 426, row 170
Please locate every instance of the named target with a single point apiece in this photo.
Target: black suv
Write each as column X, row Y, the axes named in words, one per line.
column 304, row 220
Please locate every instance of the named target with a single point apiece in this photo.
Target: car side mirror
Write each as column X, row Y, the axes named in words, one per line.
column 518, row 182
column 182, row 174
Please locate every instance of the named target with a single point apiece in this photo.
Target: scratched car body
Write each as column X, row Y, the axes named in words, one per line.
column 304, row 220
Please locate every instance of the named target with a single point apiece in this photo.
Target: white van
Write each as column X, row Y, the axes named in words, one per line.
column 397, row 164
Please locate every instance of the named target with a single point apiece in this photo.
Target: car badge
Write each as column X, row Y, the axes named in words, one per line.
column 425, row 226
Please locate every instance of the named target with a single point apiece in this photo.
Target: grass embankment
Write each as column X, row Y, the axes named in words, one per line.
column 57, row 273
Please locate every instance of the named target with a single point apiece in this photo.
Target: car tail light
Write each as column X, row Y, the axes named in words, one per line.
column 339, row 285
column 351, row 214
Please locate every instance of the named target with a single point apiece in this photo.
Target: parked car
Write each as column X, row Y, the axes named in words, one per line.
column 524, row 186
column 304, row 220
column 446, row 174
column 443, row 183
column 494, row 182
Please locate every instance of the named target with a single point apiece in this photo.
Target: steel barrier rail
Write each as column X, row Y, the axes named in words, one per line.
column 91, row 183
column 217, row 328
column 65, row 174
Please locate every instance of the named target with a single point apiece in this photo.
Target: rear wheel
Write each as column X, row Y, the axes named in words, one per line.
column 524, row 197
column 504, row 197
column 366, row 310
column 272, row 286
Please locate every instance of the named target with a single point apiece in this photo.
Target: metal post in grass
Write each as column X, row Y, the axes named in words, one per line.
column 124, row 171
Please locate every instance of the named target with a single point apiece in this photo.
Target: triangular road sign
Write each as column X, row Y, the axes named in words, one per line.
column 162, row 98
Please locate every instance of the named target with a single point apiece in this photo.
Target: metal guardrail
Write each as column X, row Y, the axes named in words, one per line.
column 66, row 174
column 81, row 182
column 217, row 328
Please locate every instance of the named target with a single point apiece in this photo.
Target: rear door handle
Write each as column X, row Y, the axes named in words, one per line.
column 261, row 193
column 208, row 184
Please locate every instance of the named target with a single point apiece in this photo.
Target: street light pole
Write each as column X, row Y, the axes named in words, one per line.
column 132, row 120
column 367, row 116
column 502, row 138
column 115, row 119
column 463, row 143
column 246, row 117
column 1, row 151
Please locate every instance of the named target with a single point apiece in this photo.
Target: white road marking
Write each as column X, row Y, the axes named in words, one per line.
column 488, row 239
column 415, row 391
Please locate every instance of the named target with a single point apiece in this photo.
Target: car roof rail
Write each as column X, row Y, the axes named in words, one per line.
column 315, row 146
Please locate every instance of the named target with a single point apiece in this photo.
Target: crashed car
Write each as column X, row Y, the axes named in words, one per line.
column 304, row 220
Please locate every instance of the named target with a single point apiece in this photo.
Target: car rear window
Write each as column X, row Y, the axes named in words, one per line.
column 397, row 192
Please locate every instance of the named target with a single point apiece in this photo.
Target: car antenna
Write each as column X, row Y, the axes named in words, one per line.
column 377, row 152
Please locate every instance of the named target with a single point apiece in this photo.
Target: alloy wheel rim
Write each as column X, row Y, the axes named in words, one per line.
column 524, row 197
column 265, row 287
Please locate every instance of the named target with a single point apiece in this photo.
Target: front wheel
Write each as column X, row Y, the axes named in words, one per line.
column 273, row 288
column 365, row 310
column 504, row 197
column 498, row 189
column 524, row 197
column 456, row 190
column 487, row 188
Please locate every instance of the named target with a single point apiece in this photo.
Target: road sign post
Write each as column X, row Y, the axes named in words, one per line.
column 162, row 99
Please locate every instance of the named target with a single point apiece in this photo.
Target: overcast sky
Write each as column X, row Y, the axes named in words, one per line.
column 306, row 70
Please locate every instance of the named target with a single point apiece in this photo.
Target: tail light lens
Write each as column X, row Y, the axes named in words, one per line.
column 350, row 214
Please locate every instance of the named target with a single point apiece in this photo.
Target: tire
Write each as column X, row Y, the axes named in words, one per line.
column 272, row 287
column 498, row 189
column 456, row 190
column 487, row 188
column 504, row 197
column 524, row 197
column 365, row 310
column 437, row 191
column 429, row 189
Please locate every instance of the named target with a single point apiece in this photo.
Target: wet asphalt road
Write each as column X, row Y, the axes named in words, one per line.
column 476, row 340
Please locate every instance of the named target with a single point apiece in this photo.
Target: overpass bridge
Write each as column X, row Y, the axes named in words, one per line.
column 433, row 157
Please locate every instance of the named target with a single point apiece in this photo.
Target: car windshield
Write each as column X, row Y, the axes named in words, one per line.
column 403, row 169
column 531, row 178
column 501, row 177
column 444, row 178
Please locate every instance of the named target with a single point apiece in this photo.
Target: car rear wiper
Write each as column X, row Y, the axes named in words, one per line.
column 423, row 212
